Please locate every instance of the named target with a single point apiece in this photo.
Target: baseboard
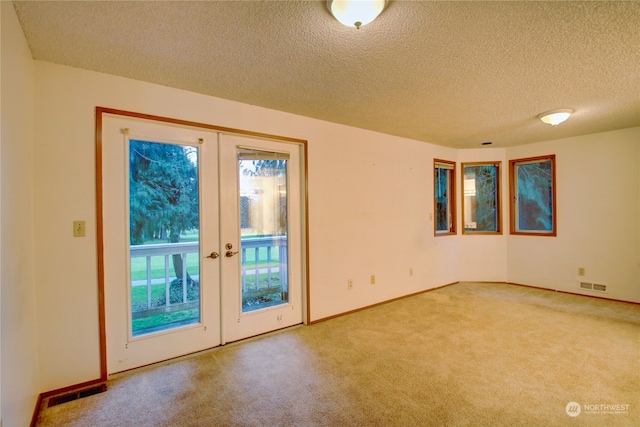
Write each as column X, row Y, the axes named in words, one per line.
column 531, row 286
column 324, row 319
column 574, row 293
column 598, row 297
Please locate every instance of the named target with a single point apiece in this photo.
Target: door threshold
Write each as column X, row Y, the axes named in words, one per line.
column 262, row 335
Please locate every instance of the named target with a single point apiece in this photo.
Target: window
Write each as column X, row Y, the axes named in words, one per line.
column 481, row 213
column 445, row 200
column 532, row 190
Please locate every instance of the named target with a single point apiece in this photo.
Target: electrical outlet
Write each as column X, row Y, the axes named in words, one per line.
column 349, row 284
column 580, row 271
column 79, row 229
column 373, row 279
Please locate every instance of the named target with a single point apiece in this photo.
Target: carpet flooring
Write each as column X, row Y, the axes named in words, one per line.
column 470, row 354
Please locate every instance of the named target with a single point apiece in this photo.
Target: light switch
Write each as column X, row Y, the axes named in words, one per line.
column 79, row 229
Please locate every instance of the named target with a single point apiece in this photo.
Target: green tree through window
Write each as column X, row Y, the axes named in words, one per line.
column 163, row 190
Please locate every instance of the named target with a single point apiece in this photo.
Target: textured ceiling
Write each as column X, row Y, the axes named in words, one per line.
column 451, row 73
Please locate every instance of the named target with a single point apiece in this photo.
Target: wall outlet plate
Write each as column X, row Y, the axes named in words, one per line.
column 79, row 229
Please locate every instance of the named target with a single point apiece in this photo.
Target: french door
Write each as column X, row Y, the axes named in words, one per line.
column 261, row 219
column 202, row 239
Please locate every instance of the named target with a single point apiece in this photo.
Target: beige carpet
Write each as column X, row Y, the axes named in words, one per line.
column 471, row 354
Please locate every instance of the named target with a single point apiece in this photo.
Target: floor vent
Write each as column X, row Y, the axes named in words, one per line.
column 588, row 286
column 601, row 288
column 57, row 400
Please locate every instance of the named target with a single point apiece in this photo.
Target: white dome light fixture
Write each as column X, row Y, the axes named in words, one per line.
column 356, row 13
column 555, row 117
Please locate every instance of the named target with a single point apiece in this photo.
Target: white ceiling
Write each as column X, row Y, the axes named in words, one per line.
column 451, row 73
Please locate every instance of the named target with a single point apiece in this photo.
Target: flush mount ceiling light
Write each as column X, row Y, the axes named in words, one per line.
column 555, row 117
column 356, row 13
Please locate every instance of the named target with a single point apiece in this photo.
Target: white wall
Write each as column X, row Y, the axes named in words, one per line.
column 597, row 185
column 370, row 196
column 370, row 199
column 19, row 361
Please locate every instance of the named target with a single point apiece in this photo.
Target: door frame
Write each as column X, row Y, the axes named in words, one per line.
column 99, row 114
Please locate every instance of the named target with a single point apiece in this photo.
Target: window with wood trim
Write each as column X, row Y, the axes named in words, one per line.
column 532, row 191
column 481, row 208
column 444, row 197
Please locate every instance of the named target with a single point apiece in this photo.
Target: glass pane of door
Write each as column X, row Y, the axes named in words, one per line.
column 164, row 234
column 263, row 221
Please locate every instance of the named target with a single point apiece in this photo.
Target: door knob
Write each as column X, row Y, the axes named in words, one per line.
column 213, row 255
column 229, row 254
